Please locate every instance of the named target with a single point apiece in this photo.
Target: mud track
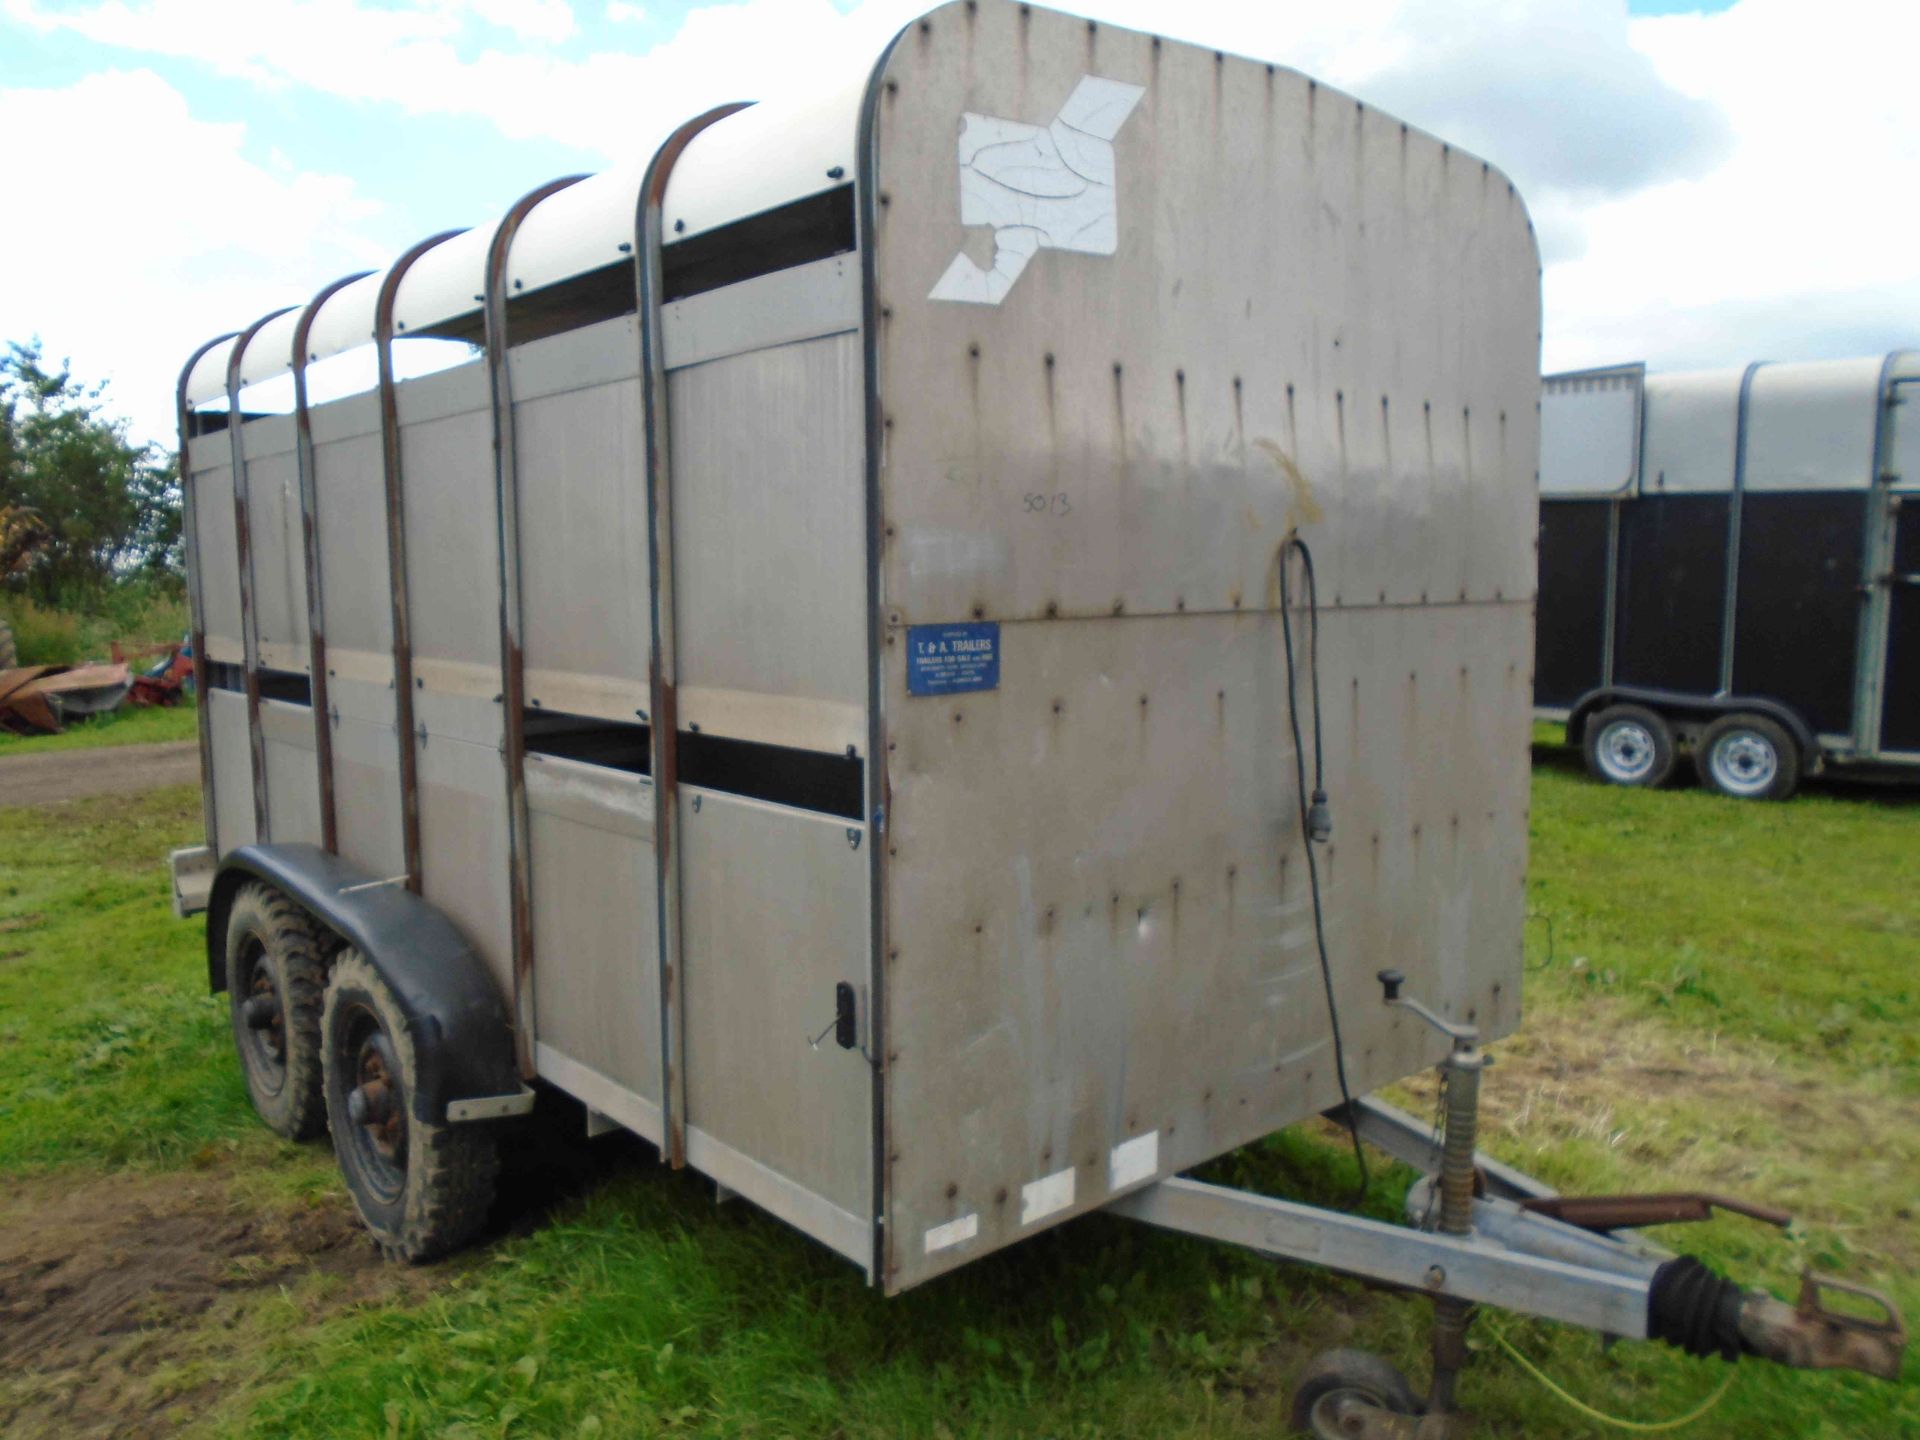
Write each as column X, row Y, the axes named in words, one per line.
column 112, row 769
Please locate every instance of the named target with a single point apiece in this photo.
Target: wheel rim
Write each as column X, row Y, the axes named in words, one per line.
column 1743, row 762
column 1626, row 750
column 376, row 1105
column 1342, row 1414
column 262, row 1014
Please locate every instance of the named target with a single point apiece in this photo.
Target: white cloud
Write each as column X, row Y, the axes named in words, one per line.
column 547, row 20
column 148, row 227
column 1801, row 244
column 426, row 57
column 621, row 13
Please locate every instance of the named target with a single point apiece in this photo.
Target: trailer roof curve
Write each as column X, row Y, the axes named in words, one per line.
column 764, row 156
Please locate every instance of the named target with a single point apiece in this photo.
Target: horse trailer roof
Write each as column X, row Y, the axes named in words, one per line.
column 763, row 156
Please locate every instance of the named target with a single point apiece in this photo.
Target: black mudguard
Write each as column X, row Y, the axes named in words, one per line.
column 460, row 1024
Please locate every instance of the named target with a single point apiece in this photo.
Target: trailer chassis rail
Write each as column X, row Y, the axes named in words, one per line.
column 1482, row 1233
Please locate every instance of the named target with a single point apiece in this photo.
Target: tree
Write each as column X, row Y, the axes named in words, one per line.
column 110, row 508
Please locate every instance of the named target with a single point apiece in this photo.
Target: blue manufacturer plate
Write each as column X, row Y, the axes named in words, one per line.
column 950, row 659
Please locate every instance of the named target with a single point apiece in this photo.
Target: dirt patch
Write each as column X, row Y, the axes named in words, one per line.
column 113, row 1292
column 110, row 770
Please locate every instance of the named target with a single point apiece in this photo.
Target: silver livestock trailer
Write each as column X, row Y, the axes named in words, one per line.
column 809, row 644
column 1725, row 567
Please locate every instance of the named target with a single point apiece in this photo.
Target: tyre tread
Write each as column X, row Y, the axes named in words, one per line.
column 451, row 1168
column 291, row 932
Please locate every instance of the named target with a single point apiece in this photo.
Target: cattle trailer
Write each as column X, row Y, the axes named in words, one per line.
column 832, row 645
column 1730, row 564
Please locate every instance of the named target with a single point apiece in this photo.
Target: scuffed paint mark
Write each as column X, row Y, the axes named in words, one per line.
column 1041, row 187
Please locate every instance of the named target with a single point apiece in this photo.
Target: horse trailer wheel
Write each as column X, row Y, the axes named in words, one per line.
column 1630, row 745
column 275, row 972
column 1748, row 757
column 422, row 1187
column 1340, row 1386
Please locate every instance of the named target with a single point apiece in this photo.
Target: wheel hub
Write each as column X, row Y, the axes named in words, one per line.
column 1627, row 750
column 373, row 1103
column 1355, row 1415
column 264, row 1017
column 1743, row 762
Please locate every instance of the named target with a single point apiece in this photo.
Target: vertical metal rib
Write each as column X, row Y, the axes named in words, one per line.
column 1611, row 612
column 397, row 554
column 196, row 601
column 879, row 782
column 1876, row 556
column 310, row 549
column 1730, row 595
column 243, row 544
column 661, row 678
column 506, row 490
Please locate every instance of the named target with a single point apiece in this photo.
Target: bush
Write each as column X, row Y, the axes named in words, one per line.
column 42, row 636
column 137, row 612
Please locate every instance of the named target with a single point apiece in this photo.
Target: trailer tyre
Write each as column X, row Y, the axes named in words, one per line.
column 1340, row 1386
column 276, row 970
column 1630, row 745
column 1748, row 757
column 422, row 1188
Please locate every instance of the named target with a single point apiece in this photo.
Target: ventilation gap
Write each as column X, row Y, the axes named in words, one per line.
column 803, row 779
column 615, row 744
column 292, row 686
column 224, row 675
column 778, row 239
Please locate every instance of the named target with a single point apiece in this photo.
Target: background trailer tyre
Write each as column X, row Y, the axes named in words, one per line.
column 847, row 710
column 1630, row 745
column 1748, row 757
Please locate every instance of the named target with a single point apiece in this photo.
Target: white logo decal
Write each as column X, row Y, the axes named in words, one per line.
column 1041, row 187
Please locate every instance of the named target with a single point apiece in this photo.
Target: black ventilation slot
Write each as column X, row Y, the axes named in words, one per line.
column 292, row 686
column 570, row 304
column 810, row 229
column 778, row 239
column 615, row 744
column 803, row 779
column 224, row 676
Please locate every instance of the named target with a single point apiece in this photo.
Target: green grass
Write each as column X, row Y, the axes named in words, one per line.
column 1682, row 1031
column 110, row 1047
column 129, row 725
column 1797, row 925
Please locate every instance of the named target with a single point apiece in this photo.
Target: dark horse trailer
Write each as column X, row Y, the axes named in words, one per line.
column 1724, row 568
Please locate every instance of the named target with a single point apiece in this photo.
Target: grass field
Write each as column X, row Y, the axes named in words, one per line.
column 1727, row 1001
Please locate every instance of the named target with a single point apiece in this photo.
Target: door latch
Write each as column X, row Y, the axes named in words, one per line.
column 845, row 1028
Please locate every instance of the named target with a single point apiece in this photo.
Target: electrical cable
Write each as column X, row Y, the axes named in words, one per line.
column 1638, row 1427
column 1316, row 819
column 1546, row 964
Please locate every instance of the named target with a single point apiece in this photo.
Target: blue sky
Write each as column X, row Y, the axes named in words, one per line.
column 1711, row 182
